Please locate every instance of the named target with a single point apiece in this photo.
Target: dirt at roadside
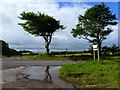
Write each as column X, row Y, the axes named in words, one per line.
column 29, row 84
column 11, row 78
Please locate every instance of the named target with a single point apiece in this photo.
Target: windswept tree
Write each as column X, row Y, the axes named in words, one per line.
column 95, row 24
column 40, row 24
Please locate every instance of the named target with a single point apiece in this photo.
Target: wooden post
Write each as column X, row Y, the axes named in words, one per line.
column 98, row 55
column 94, row 54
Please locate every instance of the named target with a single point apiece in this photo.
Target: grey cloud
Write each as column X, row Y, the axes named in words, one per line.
column 68, row 16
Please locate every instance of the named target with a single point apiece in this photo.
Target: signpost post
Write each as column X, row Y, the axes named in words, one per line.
column 96, row 48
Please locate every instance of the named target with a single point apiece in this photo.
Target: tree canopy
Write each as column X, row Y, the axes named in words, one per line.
column 40, row 24
column 95, row 24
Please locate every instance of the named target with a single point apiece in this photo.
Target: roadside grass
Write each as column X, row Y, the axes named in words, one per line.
column 110, row 57
column 44, row 57
column 1, row 56
column 58, row 57
column 79, row 56
column 92, row 74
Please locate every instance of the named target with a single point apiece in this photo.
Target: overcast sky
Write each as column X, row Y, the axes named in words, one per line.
column 66, row 12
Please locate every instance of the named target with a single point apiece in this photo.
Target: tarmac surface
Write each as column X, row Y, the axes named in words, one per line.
column 13, row 66
column 13, row 62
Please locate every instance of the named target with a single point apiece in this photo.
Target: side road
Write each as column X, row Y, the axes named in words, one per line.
column 13, row 62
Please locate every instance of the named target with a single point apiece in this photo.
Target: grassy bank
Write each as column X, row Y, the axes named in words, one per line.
column 91, row 74
column 1, row 56
column 78, row 56
column 59, row 57
column 111, row 57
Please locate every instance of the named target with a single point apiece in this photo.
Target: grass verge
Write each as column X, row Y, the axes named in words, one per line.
column 68, row 57
column 91, row 74
column 1, row 56
column 58, row 57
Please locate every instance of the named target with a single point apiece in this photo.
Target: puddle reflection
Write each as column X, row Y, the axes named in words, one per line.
column 48, row 77
column 47, row 74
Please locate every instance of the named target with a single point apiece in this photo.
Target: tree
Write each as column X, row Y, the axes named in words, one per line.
column 5, row 48
column 40, row 25
column 95, row 24
column 114, row 49
column 14, row 52
column 106, row 50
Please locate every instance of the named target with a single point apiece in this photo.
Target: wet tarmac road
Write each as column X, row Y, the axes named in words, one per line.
column 13, row 62
column 14, row 65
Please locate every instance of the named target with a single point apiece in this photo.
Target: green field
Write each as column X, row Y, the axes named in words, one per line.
column 50, row 57
column 59, row 57
column 78, row 56
column 91, row 74
column 1, row 56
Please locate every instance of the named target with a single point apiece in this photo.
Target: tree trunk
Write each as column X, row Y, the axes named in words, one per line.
column 99, row 45
column 47, row 48
column 47, row 39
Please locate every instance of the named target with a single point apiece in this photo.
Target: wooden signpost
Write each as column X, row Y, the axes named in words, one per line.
column 96, row 48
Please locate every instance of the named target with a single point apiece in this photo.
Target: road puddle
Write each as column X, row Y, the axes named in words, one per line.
column 47, row 74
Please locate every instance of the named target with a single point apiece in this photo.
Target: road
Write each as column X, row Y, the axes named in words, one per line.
column 12, row 66
column 13, row 62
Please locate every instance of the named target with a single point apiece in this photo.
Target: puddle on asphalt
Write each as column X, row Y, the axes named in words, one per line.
column 46, row 73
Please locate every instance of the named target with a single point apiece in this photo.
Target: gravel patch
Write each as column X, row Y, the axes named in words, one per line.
column 29, row 84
